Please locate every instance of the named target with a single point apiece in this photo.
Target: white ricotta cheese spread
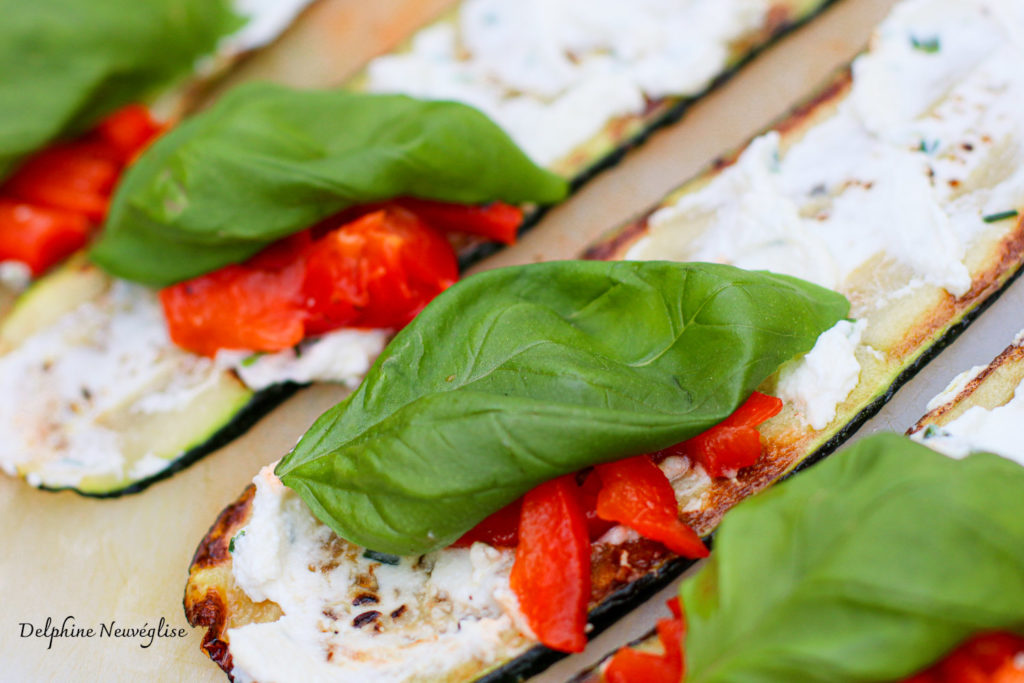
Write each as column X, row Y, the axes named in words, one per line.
column 349, row 617
column 110, row 355
column 552, row 73
column 955, row 387
column 73, row 382
column 822, row 379
column 926, row 147
column 980, row 429
column 343, row 356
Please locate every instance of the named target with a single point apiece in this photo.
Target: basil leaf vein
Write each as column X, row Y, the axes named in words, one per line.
column 268, row 161
column 518, row 375
column 869, row 567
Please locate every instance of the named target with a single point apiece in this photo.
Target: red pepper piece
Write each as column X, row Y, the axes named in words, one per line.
column 76, row 176
column 129, row 131
column 1008, row 673
column 732, row 444
column 631, row 666
column 977, row 659
column 588, row 492
column 378, row 271
column 675, row 607
column 500, row 529
column 671, row 633
column 991, row 650
column 637, row 493
column 39, row 236
column 983, row 658
column 254, row 305
column 756, row 409
column 551, row 573
column 496, row 221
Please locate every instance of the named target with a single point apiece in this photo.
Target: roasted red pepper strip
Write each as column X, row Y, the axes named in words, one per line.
column 984, row 658
column 496, row 221
column 500, row 529
column 732, row 444
column 257, row 305
column 75, row 176
column 551, row 572
column 635, row 492
column 590, row 489
column 129, row 131
column 631, row 666
column 56, row 197
column 38, row 236
column 380, row 270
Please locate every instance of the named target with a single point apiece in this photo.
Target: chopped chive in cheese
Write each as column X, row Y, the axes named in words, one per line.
column 929, row 45
column 996, row 217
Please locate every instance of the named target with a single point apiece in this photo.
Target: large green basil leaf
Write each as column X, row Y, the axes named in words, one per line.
column 65, row 63
column 515, row 376
column 268, row 161
column 868, row 567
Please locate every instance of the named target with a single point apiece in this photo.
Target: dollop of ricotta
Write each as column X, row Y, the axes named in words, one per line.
column 552, row 73
column 351, row 617
column 822, row 379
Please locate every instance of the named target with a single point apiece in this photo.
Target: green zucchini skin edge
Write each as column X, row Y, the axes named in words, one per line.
column 261, row 403
column 672, row 114
column 633, row 595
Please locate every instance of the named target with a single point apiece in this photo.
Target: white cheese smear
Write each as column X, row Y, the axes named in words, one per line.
column 342, row 356
column 111, row 357
column 821, row 379
column 552, row 73
column 348, row 617
column 929, row 142
column 981, row 430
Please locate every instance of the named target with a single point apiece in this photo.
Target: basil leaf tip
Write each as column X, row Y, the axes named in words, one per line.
column 267, row 161
column 518, row 375
column 66, row 63
column 868, row 567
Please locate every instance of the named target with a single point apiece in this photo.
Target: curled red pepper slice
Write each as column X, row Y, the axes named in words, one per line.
column 551, row 573
column 635, row 492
